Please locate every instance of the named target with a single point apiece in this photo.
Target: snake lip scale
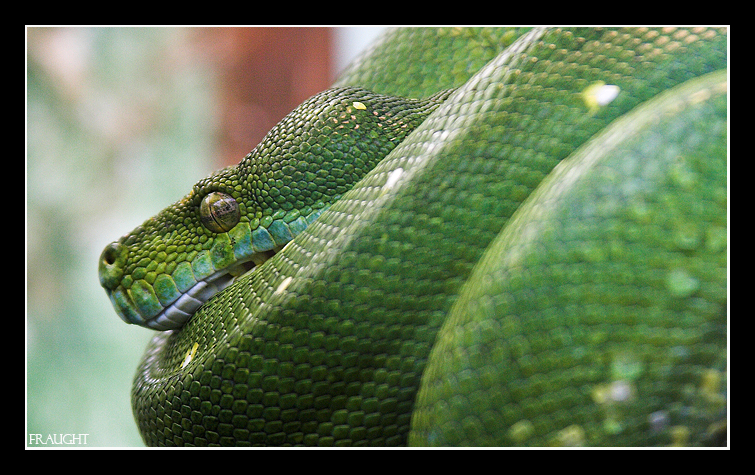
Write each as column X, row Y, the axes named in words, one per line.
column 179, row 312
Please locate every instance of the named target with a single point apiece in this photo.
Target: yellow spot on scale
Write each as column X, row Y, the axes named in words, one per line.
column 283, row 285
column 522, row 430
column 572, row 436
column 680, row 436
column 393, row 178
column 599, row 94
column 711, row 381
column 190, row 355
column 358, row 106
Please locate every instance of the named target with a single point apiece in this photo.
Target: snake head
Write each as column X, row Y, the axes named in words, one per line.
column 232, row 221
column 162, row 272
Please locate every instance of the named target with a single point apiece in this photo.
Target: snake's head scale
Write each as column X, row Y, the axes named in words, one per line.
column 160, row 273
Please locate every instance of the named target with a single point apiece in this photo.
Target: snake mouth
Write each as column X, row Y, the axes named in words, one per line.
column 168, row 301
column 176, row 314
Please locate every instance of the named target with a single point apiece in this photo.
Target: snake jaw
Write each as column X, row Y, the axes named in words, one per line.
column 179, row 312
column 168, row 301
column 176, row 314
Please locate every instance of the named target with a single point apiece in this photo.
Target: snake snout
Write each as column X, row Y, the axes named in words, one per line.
column 111, row 265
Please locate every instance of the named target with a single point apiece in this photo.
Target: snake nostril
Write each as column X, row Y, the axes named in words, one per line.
column 111, row 264
column 109, row 254
column 113, row 253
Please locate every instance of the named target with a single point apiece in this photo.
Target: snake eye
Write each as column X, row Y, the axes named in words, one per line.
column 219, row 212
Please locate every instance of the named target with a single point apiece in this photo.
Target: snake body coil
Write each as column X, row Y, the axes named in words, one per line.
column 535, row 255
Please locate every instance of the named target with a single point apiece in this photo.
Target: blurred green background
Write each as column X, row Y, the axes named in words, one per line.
column 120, row 123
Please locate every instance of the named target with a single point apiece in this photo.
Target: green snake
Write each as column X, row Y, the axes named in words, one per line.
column 495, row 237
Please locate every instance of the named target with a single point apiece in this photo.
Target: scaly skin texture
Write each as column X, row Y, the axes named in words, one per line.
column 542, row 261
column 304, row 163
column 613, row 270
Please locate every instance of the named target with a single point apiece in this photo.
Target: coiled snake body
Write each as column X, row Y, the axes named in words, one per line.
column 535, row 254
